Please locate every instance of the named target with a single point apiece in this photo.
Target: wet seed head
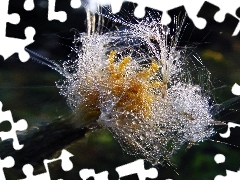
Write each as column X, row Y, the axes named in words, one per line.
column 136, row 83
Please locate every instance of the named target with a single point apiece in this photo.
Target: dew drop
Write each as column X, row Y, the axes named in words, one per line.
column 175, row 55
column 166, row 30
column 141, row 137
column 119, row 123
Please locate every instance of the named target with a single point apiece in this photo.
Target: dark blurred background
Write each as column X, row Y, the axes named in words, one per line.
column 29, row 91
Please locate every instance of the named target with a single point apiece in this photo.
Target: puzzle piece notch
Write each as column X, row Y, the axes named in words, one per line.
column 219, row 158
column 20, row 125
column 7, row 162
column 116, row 6
column 5, row 126
column 226, row 7
column 222, row 15
column 230, row 125
column 75, row 4
column 53, row 15
column 223, row 19
column 66, row 164
column 13, row 18
column 29, row 5
column 13, row 45
column 162, row 6
column 230, row 175
column 139, row 11
column 236, row 89
column 227, row 12
column 28, row 171
column 87, row 173
column 137, row 167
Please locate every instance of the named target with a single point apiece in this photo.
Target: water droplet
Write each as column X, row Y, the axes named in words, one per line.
column 120, row 123
column 175, row 55
column 166, row 30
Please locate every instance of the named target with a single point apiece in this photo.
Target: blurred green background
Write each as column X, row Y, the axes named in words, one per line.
column 29, row 91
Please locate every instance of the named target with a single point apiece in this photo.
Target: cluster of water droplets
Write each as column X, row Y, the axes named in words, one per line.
column 136, row 83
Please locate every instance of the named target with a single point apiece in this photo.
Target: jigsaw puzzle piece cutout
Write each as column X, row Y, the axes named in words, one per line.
column 70, row 23
column 166, row 19
column 137, row 167
column 188, row 26
column 165, row 8
column 15, row 33
column 139, row 11
column 20, row 125
column 230, row 175
column 55, row 15
column 57, row 171
column 28, row 171
column 44, row 26
column 87, row 173
column 229, row 21
column 13, row 18
column 6, row 45
column 225, row 7
column 212, row 10
column 116, row 6
column 66, row 165
column 191, row 11
column 7, row 48
column 200, row 21
column 230, row 125
column 7, row 162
